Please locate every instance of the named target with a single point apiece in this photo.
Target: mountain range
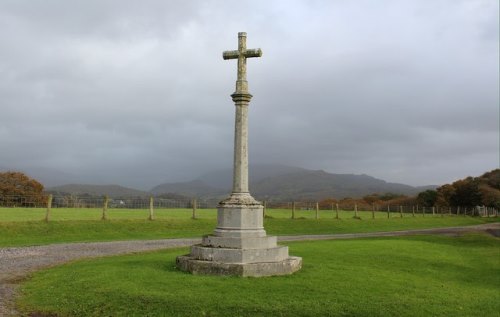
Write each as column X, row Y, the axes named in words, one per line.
column 278, row 182
column 267, row 182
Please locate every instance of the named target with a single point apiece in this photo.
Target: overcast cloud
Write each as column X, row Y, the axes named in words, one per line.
column 137, row 92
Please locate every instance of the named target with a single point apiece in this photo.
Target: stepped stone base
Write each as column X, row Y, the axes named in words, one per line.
column 288, row 266
column 239, row 245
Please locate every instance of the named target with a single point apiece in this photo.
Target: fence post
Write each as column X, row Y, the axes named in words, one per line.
column 356, row 211
column 401, row 211
column 49, row 206
column 317, row 210
column 337, row 211
column 105, row 208
column 388, row 211
column 264, row 209
column 413, row 211
column 193, row 204
column 373, row 211
column 433, row 210
column 151, row 208
column 458, row 210
column 293, row 210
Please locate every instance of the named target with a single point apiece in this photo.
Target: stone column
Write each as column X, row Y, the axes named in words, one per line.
column 240, row 168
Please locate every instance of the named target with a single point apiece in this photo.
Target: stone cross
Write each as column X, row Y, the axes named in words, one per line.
column 241, row 98
column 239, row 244
column 242, row 54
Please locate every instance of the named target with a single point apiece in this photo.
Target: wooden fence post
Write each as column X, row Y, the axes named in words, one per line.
column 293, row 210
column 401, row 211
column 193, row 205
column 49, row 206
column 317, row 210
column 105, row 208
column 373, row 211
column 356, row 211
column 413, row 211
column 388, row 211
column 433, row 210
column 151, row 208
column 337, row 209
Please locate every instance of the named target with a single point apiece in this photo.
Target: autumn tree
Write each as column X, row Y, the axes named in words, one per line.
column 427, row 198
column 467, row 192
column 17, row 189
column 472, row 191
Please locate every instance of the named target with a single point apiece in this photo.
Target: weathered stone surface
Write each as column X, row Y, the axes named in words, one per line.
column 240, row 221
column 239, row 243
column 288, row 266
column 227, row 255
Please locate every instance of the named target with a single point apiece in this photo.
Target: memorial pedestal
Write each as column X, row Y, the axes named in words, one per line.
column 239, row 245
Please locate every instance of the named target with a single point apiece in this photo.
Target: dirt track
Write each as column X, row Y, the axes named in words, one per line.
column 17, row 263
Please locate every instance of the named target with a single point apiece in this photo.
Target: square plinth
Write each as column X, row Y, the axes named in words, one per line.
column 240, row 221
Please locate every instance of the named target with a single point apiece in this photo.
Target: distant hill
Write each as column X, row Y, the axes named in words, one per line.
column 317, row 185
column 279, row 182
column 224, row 178
column 113, row 191
column 196, row 188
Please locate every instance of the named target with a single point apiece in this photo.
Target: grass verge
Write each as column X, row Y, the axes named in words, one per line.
column 403, row 276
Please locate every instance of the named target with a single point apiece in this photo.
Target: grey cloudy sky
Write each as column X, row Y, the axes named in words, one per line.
column 137, row 92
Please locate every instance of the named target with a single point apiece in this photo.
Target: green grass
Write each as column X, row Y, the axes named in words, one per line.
column 63, row 214
column 404, row 276
column 82, row 225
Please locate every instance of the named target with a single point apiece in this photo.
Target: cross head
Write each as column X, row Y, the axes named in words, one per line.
column 242, row 54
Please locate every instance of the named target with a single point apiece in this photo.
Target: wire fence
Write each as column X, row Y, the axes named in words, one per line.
column 82, row 202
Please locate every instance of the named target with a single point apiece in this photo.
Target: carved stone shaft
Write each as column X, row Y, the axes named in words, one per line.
column 241, row 98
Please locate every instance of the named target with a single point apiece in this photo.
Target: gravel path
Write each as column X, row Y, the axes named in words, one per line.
column 17, row 263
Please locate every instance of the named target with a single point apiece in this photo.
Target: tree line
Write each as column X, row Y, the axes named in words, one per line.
column 468, row 192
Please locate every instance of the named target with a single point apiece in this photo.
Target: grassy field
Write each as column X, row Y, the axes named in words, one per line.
column 63, row 214
column 405, row 276
column 22, row 227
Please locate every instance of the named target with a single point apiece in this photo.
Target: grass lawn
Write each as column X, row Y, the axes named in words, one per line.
column 63, row 214
column 403, row 276
column 77, row 225
column 25, row 226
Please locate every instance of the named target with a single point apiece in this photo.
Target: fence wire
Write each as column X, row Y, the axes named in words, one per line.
column 74, row 201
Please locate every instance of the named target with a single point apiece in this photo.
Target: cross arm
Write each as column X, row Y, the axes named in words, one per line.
column 253, row 53
column 230, row 54
column 257, row 52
